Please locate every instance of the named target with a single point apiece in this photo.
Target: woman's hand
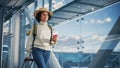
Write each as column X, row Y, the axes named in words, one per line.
column 54, row 39
column 28, row 59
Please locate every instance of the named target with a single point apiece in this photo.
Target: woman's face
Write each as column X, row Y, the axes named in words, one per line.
column 44, row 16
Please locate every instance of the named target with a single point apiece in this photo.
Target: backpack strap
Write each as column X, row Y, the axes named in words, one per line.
column 34, row 33
column 35, row 30
column 51, row 29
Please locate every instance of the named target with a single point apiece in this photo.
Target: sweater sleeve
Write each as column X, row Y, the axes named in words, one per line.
column 29, row 42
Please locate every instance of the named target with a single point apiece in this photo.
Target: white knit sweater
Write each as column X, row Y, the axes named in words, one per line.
column 42, row 39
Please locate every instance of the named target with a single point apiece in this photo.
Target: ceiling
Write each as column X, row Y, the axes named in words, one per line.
column 12, row 6
column 78, row 8
column 74, row 9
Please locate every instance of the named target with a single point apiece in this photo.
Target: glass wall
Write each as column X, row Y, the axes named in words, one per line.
column 82, row 39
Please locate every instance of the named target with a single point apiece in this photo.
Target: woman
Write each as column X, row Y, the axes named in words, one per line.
column 43, row 39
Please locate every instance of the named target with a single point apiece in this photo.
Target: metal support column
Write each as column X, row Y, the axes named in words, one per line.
column 22, row 38
column 50, row 5
column 13, row 58
column 43, row 2
column 107, row 47
column 1, row 33
column 35, row 6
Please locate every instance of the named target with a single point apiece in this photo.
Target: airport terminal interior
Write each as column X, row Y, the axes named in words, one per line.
column 88, row 32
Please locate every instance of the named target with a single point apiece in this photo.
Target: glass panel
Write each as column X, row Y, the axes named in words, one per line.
column 80, row 40
column 6, row 42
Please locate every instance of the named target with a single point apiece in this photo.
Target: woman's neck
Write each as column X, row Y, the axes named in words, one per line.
column 43, row 22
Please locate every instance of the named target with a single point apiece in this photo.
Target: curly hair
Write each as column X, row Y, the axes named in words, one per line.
column 38, row 15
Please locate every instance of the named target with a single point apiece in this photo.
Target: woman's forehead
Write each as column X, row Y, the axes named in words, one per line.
column 44, row 12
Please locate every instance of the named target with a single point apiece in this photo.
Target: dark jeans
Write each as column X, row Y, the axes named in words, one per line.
column 41, row 57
